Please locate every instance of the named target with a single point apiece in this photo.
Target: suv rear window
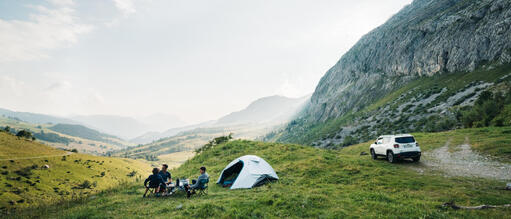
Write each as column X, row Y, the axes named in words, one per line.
column 402, row 140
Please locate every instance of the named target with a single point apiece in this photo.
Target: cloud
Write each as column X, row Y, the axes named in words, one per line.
column 95, row 97
column 59, row 85
column 46, row 29
column 125, row 6
column 49, row 96
column 11, row 86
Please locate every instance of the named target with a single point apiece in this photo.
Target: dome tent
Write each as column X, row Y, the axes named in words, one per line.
column 246, row 172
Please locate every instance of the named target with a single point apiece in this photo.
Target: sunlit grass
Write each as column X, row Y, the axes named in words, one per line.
column 25, row 182
column 313, row 183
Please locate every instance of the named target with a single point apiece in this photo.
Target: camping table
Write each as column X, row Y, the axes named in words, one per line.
column 182, row 184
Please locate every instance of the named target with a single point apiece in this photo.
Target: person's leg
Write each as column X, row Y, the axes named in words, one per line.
column 157, row 191
column 187, row 188
column 146, row 189
column 162, row 188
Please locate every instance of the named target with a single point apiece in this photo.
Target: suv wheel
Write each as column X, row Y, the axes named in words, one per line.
column 373, row 155
column 416, row 159
column 390, row 157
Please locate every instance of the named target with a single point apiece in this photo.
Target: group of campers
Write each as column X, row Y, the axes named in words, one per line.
column 244, row 172
column 161, row 182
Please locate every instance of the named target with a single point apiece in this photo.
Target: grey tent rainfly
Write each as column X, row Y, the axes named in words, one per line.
column 247, row 172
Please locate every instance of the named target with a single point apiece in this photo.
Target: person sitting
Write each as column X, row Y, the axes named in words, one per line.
column 197, row 184
column 167, row 178
column 155, row 181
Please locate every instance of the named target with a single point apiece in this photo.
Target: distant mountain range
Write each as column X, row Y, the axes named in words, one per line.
column 127, row 127
column 273, row 109
column 121, row 126
column 264, row 112
column 36, row 118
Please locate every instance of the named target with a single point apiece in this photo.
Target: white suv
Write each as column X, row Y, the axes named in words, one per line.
column 395, row 147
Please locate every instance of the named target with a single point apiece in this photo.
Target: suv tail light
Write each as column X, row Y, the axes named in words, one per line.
column 396, row 146
column 416, row 144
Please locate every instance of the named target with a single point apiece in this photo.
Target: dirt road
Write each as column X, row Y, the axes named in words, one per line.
column 463, row 161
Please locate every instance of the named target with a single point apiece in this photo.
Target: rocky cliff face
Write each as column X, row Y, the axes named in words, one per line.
column 425, row 38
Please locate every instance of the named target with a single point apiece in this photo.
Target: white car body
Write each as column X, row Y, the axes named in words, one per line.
column 397, row 146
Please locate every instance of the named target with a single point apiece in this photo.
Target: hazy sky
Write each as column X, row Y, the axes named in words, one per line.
column 197, row 59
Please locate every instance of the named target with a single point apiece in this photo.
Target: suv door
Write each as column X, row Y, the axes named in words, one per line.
column 379, row 145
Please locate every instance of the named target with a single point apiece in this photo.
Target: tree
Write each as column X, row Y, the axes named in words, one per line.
column 7, row 129
column 487, row 107
column 24, row 134
column 215, row 141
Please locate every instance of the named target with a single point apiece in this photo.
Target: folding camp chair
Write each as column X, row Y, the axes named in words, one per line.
column 152, row 192
column 203, row 189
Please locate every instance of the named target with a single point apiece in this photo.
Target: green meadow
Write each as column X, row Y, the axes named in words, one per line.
column 26, row 180
column 314, row 183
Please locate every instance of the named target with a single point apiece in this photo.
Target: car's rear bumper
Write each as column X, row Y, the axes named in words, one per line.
column 409, row 154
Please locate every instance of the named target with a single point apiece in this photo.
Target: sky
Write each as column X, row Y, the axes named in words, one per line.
column 195, row 59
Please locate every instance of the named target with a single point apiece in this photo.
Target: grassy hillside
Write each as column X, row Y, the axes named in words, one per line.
column 426, row 104
column 313, row 183
column 83, row 132
column 68, row 136
column 24, row 181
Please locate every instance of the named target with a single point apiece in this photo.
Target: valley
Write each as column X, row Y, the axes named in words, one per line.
column 67, row 136
column 253, row 122
column 199, row 84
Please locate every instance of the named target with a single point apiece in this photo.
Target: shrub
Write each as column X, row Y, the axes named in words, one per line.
column 131, row 174
column 215, row 141
column 25, row 172
column 437, row 123
column 86, row 184
column 24, row 134
column 489, row 109
column 348, row 140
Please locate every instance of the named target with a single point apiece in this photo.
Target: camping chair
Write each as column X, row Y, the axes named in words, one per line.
column 152, row 192
column 203, row 188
